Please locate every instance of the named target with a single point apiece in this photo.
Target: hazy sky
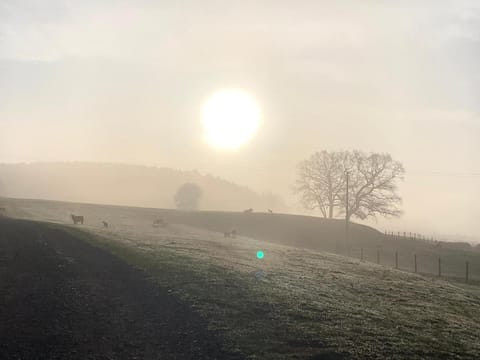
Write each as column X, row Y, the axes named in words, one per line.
column 125, row 81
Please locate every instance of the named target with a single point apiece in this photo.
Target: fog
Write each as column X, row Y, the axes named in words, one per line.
column 125, row 82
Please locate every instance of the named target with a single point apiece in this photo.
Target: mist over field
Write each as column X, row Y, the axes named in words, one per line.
column 261, row 179
column 122, row 82
column 119, row 184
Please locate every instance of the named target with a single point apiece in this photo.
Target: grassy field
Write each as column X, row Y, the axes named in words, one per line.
column 300, row 231
column 294, row 303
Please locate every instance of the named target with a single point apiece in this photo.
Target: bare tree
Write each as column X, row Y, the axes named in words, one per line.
column 188, row 196
column 321, row 181
column 372, row 184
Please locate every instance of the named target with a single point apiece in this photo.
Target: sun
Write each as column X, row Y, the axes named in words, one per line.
column 230, row 118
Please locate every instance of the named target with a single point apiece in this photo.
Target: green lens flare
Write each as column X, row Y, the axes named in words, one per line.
column 260, row 254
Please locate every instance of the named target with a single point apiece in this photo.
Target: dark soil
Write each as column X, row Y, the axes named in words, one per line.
column 61, row 298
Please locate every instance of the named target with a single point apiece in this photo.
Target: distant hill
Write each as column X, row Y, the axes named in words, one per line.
column 120, row 184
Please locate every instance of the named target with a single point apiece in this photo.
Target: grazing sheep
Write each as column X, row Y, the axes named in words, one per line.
column 230, row 234
column 270, row 211
column 77, row 219
column 159, row 223
column 248, row 210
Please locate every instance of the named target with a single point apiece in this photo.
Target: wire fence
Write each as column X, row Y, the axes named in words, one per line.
column 449, row 265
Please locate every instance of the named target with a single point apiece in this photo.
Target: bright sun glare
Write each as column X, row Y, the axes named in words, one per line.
column 230, row 118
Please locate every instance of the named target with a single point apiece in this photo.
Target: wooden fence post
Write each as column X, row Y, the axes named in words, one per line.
column 439, row 267
column 466, row 272
column 396, row 259
column 415, row 259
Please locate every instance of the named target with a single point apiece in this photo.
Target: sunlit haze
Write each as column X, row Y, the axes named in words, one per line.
column 253, row 179
column 138, row 83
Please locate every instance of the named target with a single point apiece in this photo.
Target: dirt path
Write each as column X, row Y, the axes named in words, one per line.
column 62, row 298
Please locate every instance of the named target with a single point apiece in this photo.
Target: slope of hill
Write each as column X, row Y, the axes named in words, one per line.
column 61, row 298
column 293, row 303
column 294, row 230
column 121, row 184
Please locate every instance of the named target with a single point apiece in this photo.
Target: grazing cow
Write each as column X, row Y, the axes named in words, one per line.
column 77, row 219
column 270, row 211
column 159, row 223
column 248, row 210
column 105, row 224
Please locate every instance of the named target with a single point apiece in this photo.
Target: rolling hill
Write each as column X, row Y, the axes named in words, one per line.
column 305, row 232
column 120, row 184
column 293, row 303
